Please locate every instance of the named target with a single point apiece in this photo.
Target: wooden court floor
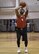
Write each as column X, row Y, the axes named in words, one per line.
column 8, row 43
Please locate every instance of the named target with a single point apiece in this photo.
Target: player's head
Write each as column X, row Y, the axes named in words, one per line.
column 22, row 11
column 23, row 4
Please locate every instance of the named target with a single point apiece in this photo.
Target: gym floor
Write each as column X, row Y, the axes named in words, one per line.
column 8, row 43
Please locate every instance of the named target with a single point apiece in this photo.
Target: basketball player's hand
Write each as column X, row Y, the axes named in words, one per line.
column 18, row 7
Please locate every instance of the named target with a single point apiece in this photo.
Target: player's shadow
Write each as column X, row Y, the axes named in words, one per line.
column 26, row 53
column 22, row 53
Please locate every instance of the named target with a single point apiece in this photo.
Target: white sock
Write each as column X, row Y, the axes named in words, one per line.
column 18, row 48
column 25, row 48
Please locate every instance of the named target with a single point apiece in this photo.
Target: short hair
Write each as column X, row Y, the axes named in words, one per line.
column 23, row 4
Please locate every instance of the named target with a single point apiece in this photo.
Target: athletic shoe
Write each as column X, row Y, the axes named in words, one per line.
column 26, row 50
column 18, row 50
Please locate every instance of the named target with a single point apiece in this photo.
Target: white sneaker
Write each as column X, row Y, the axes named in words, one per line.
column 26, row 50
column 18, row 50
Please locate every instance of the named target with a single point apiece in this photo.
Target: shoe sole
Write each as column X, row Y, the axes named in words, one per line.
column 26, row 52
column 19, row 52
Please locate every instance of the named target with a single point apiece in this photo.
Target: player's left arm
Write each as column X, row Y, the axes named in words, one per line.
column 26, row 12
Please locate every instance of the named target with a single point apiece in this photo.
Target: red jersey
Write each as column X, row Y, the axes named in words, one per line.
column 21, row 22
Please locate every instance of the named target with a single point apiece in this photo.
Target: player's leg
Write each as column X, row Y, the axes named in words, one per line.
column 25, row 39
column 18, row 40
column 26, row 43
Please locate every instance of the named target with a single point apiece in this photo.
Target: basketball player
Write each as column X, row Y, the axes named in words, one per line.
column 21, row 25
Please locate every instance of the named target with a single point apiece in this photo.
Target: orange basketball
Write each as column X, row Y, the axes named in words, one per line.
column 23, row 4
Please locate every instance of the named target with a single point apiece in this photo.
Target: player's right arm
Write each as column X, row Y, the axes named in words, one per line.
column 17, row 13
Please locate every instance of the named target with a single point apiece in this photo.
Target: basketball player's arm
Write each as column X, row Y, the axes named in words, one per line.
column 17, row 13
column 26, row 13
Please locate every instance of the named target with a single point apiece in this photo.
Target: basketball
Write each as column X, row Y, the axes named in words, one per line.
column 22, row 11
column 23, row 4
